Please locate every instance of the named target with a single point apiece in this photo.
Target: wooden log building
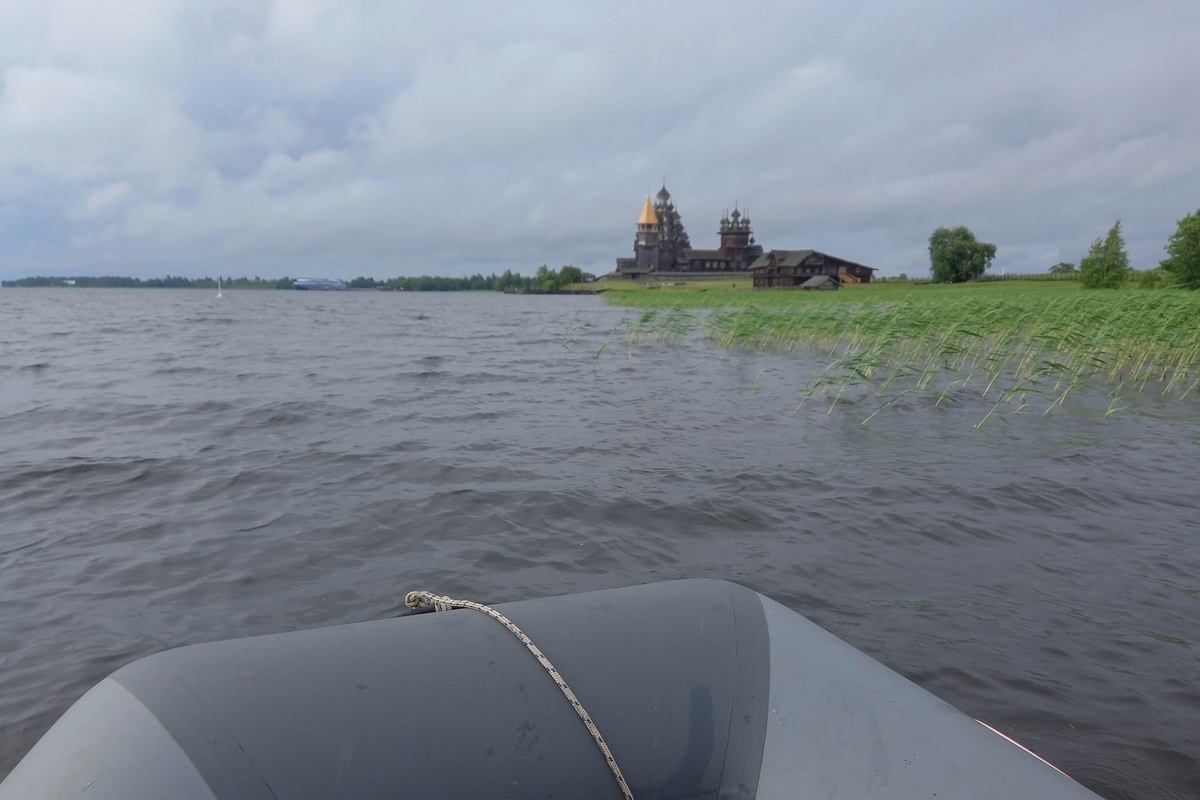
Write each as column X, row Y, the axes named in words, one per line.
column 797, row 268
column 662, row 249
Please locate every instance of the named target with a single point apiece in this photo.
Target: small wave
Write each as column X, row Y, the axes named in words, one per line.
column 288, row 413
column 271, row 520
column 180, row 371
column 83, row 471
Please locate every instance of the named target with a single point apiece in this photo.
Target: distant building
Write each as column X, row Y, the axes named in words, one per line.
column 821, row 283
column 661, row 244
column 800, row 268
column 662, row 249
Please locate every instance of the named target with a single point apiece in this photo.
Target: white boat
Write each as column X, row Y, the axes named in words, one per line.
column 697, row 689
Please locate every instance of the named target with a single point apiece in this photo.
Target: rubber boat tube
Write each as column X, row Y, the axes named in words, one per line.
column 702, row 689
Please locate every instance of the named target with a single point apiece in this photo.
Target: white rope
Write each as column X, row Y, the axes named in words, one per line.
column 442, row 603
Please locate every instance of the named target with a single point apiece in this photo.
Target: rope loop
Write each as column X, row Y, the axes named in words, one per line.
column 439, row 602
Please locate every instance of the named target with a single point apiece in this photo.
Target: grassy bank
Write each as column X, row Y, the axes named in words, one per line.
column 738, row 293
column 1021, row 346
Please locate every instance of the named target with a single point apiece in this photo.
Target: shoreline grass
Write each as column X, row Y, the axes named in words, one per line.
column 1016, row 346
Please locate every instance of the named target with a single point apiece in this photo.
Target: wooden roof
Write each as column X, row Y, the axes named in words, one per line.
column 648, row 216
column 794, row 258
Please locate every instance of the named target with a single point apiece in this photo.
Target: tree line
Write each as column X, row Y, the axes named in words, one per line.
column 956, row 255
column 543, row 278
column 169, row 282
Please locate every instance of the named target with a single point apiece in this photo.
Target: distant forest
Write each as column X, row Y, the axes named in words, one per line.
column 543, row 278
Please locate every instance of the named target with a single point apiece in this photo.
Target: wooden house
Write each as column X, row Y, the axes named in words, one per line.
column 796, row 268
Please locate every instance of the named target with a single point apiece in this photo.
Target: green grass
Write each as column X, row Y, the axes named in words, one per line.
column 722, row 294
column 1018, row 346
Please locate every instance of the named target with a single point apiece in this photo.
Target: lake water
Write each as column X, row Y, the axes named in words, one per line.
column 177, row 468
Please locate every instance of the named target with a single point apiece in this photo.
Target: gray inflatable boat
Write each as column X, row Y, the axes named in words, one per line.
column 701, row 689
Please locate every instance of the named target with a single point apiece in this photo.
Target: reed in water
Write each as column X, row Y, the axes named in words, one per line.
column 1018, row 350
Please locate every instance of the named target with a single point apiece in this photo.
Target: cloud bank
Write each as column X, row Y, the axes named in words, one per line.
column 290, row 137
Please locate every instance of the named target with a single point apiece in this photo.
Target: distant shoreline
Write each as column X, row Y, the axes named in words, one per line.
column 543, row 279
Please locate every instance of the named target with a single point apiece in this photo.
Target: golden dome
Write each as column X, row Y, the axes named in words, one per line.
column 648, row 216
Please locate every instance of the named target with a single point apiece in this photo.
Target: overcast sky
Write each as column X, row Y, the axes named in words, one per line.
column 351, row 137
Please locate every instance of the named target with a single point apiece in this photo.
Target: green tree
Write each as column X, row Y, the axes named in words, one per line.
column 509, row 278
column 570, row 274
column 955, row 255
column 1062, row 268
column 1106, row 266
column 1184, row 250
column 547, row 278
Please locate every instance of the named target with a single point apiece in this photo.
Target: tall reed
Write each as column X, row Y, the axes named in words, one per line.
column 1010, row 348
column 1015, row 348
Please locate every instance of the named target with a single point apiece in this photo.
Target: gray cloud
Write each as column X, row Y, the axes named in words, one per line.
column 301, row 136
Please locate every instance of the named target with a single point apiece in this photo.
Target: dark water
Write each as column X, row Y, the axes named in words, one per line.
column 176, row 468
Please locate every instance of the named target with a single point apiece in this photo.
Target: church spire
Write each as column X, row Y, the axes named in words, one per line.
column 648, row 216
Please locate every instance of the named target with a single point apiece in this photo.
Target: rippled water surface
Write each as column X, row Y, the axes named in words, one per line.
column 176, row 468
